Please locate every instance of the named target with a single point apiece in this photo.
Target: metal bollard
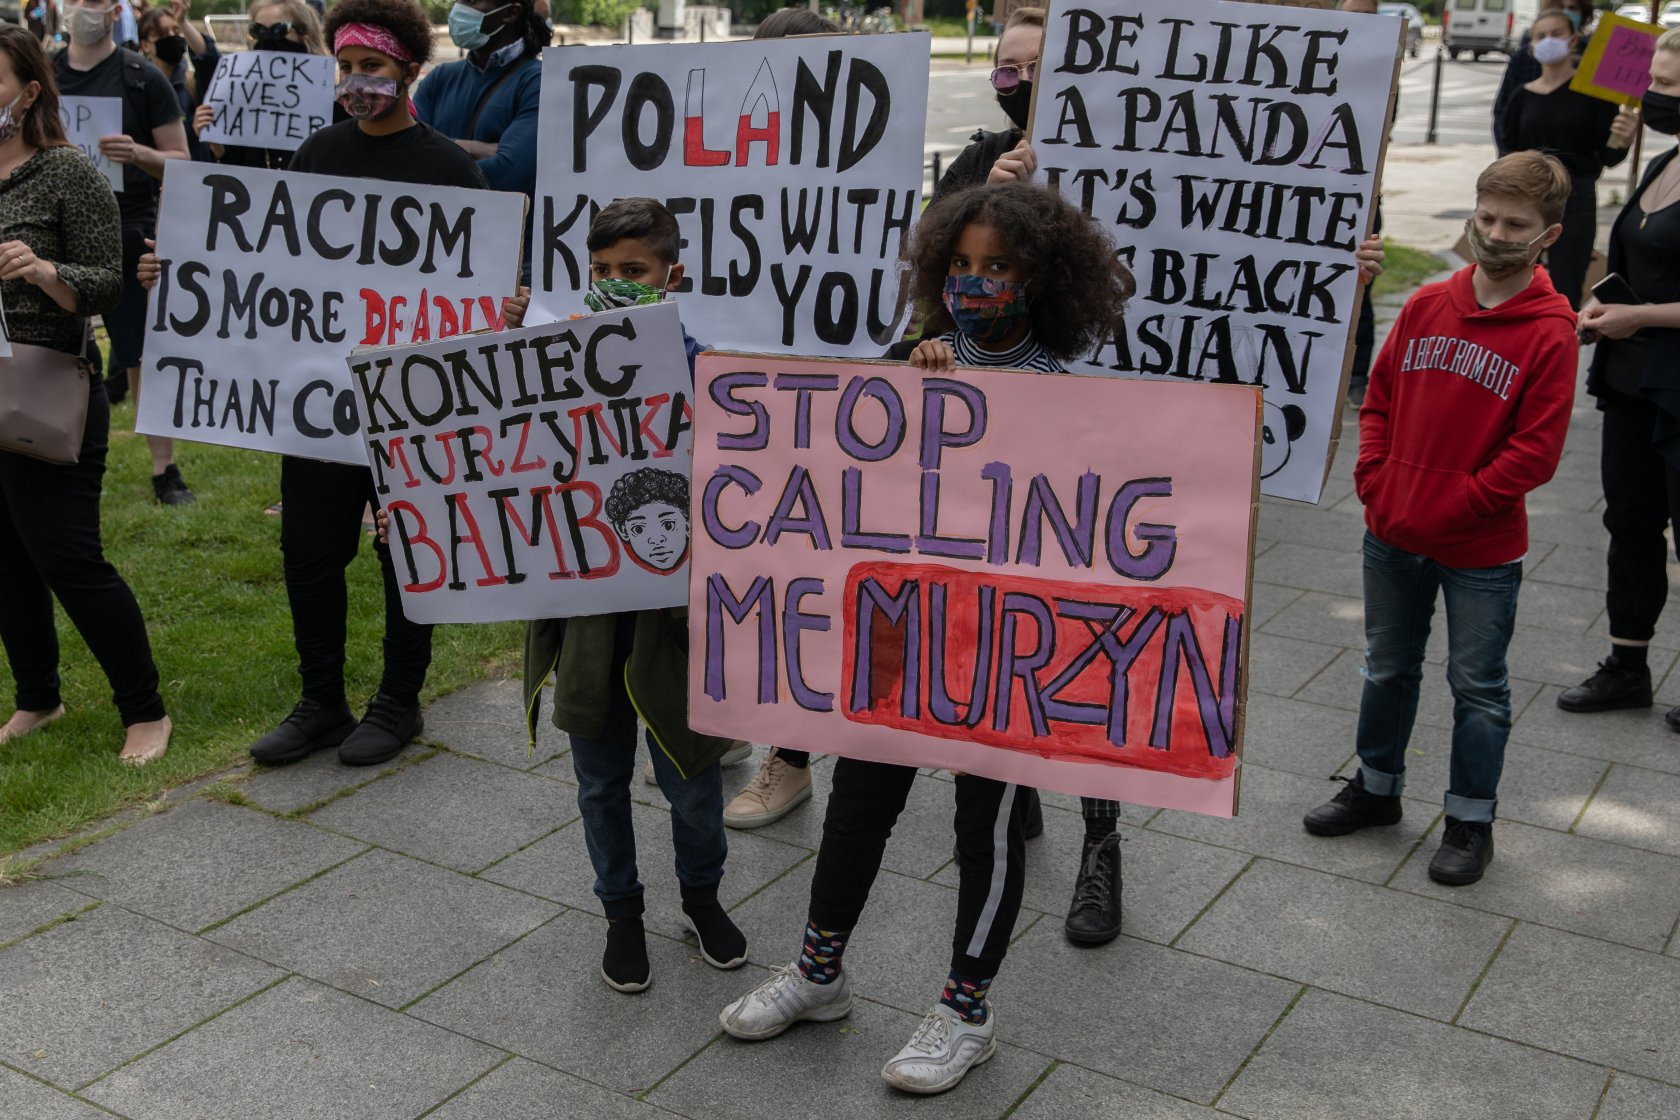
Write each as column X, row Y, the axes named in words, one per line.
column 1435, row 97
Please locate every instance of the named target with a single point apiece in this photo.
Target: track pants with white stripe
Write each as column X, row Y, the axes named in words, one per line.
column 991, row 861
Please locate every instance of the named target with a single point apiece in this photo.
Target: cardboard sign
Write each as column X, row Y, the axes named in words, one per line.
column 1016, row 575
column 269, row 99
column 793, row 167
column 1616, row 66
column 535, row 473
column 1233, row 152
column 86, row 119
column 270, row 279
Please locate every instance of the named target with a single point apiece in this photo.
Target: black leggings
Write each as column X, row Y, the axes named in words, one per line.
column 50, row 545
column 1571, row 253
column 320, row 533
column 862, row 809
column 1641, row 498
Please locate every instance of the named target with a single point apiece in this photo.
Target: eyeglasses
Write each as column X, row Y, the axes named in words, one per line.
column 266, row 30
column 1006, row 78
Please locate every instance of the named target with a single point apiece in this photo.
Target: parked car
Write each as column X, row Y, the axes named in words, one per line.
column 1639, row 12
column 1478, row 27
column 1414, row 24
column 1670, row 14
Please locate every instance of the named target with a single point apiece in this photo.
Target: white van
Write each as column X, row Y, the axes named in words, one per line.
column 1476, row 27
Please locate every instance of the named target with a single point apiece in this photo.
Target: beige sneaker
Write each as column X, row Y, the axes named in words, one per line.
column 774, row 792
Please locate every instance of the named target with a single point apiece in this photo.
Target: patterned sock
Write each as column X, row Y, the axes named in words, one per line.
column 1097, row 829
column 966, row 995
column 819, row 957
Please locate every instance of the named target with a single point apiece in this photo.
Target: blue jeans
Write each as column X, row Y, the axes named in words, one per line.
column 1400, row 592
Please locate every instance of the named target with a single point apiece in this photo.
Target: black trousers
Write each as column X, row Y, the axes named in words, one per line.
column 320, row 533
column 1571, row 253
column 50, row 545
column 1641, row 499
column 991, row 853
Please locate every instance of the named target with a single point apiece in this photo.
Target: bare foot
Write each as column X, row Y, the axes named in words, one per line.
column 22, row 722
column 147, row 741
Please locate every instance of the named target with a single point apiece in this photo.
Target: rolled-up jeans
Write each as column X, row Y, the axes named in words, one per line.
column 1400, row 589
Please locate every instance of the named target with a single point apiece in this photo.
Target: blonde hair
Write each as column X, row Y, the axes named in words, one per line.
column 1669, row 40
column 303, row 20
column 1553, row 13
column 1532, row 177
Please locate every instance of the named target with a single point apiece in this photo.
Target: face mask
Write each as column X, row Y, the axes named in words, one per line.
column 1660, row 111
column 1551, row 49
column 9, row 124
column 985, row 310
column 1574, row 18
column 1016, row 102
column 609, row 295
column 88, row 25
column 367, row 97
column 170, row 49
column 279, row 43
column 1499, row 259
column 466, row 26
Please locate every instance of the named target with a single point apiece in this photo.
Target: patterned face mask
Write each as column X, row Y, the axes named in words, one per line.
column 985, row 310
column 367, row 97
column 10, row 124
column 610, row 295
column 1499, row 258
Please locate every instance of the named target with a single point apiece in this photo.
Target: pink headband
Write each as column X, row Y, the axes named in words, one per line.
column 371, row 37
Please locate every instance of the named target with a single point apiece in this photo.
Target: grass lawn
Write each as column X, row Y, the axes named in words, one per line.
column 1404, row 269
column 208, row 580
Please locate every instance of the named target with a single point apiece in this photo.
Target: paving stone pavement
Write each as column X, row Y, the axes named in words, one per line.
column 424, row 942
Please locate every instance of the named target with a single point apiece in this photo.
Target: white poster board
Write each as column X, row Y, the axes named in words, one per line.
column 269, row 279
column 1233, row 150
column 535, row 473
column 269, row 99
column 793, row 167
column 86, row 119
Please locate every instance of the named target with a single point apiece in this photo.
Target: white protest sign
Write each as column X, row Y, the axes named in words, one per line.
column 1233, row 151
column 269, row 99
column 535, row 473
column 86, row 119
column 793, row 166
column 269, row 279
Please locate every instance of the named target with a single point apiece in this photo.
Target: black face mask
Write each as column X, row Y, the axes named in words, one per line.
column 170, row 50
column 1016, row 102
column 279, row 43
column 1660, row 111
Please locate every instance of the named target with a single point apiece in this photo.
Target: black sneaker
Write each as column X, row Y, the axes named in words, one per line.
column 310, row 728
column 1094, row 917
column 1351, row 810
column 1466, row 850
column 1613, row 686
column 1672, row 718
column 624, row 964
column 171, row 489
column 385, row 730
column 722, row 943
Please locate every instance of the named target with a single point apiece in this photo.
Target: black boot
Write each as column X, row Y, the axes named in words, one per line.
column 1094, row 917
column 722, row 943
column 1351, row 810
column 624, row 964
column 311, row 727
column 1465, row 852
column 1613, row 686
column 385, row 730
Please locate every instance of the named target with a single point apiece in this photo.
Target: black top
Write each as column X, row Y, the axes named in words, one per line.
column 151, row 105
column 1569, row 125
column 974, row 162
column 1650, row 254
column 418, row 154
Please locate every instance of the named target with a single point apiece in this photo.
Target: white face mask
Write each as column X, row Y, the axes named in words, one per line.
column 1551, row 49
column 89, row 25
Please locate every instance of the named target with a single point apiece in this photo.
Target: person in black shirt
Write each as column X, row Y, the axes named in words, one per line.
column 172, row 44
column 1546, row 115
column 94, row 66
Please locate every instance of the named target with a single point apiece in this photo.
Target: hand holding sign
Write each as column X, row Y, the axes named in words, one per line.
column 266, row 99
column 87, row 122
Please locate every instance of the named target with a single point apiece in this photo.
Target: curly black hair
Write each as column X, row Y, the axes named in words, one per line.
column 404, row 19
column 1077, row 287
column 639, row 487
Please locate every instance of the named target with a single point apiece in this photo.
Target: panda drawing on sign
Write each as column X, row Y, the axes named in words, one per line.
column 648, row 509
column 1283, row 426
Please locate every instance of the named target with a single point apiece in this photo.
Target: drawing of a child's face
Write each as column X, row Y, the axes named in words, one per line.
column 657, row 533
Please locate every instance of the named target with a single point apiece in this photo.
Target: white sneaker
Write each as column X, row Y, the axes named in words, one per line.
column 941, row 1052
column 774, row 792
column 734, row 756
column 783, row 1000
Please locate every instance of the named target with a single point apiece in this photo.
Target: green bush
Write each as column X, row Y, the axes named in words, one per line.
column 601, row 13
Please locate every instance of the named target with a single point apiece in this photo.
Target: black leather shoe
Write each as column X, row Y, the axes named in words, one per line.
column 386, row 729
column 1094, row 917
column 1032, row 818
column 1613, row 686
column 1351, row 810
column 1465, row 852
column 308, row 729
column 171, row 488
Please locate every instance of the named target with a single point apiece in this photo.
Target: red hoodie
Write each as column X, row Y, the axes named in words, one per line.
column 1466, row 413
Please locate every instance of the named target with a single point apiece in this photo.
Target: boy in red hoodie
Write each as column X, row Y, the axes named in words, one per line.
column 1466, row 413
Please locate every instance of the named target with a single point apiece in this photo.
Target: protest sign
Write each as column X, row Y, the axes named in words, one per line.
column 793, row 166
column 269, row 99
column 270, row 278
column 86, row 119
column 1233, row 150
column 1015, row 575
column 535, row 473
column 1616, row 65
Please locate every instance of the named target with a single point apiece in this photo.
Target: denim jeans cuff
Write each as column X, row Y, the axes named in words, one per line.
column 1380, row 784
column 1470, row 809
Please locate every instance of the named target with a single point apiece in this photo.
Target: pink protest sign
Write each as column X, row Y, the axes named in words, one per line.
column 1038, row 578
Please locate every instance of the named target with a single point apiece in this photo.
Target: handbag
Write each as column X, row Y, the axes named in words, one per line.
column 43, row 403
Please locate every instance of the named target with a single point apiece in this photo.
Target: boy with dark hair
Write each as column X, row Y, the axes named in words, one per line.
column 1466, row 413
